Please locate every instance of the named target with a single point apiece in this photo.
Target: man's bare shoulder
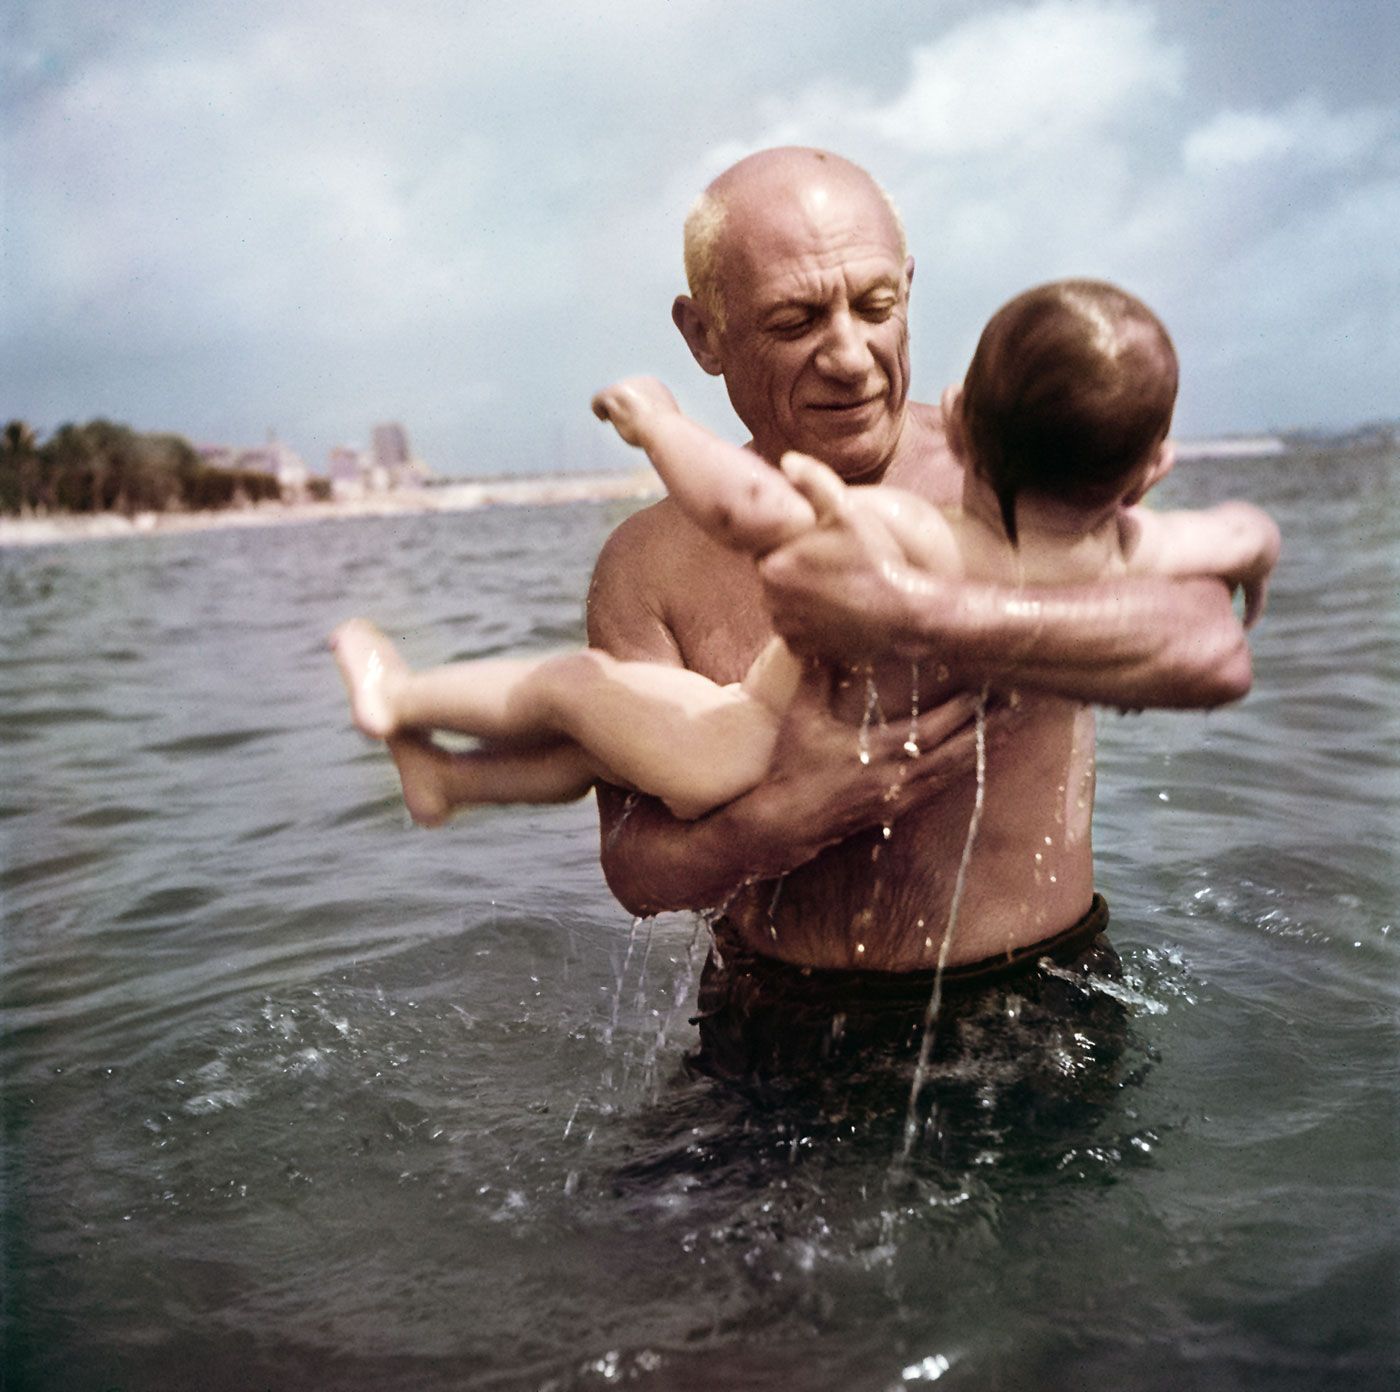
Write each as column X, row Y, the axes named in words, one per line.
column 663, row 591
column 651, row 546
column 626, row 597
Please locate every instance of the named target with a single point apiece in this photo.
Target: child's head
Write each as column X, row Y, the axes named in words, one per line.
column 1069, row 397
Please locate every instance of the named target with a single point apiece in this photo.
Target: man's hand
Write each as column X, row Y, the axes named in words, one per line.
column 818, row 791
column 629, row 403
column 848, row 780
column 837, row 591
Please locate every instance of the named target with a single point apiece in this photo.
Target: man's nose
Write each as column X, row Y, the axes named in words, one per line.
column 843, row 353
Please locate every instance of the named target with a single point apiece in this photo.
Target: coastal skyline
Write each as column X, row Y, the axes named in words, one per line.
column 300, row 216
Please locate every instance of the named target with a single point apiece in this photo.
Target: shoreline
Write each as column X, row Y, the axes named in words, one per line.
column 466, row 496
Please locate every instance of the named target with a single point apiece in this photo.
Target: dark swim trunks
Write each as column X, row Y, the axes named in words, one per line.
column 764, row 1021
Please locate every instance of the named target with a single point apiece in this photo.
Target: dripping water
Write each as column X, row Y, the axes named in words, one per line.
column 773, row 907
column 911, row 744
column 684, row 980
column 911, row 1120
column 628, row 805
column 621, row 979
column 871, row 714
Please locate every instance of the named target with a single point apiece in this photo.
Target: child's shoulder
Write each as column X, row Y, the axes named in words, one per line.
column 929, row 536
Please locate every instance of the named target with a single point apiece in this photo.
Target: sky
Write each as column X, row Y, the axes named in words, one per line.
column 311, row 215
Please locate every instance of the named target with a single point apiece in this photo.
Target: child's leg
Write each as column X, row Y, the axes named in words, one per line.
column 663, row 730
column 494, row 698
column 731, row 493
column 437, row 783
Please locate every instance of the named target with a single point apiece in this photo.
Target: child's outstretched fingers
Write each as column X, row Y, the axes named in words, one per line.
column 817, row 483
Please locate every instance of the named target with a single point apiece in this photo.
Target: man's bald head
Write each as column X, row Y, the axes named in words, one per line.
column 746, row 190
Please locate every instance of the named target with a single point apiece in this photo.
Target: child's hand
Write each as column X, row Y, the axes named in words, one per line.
column 1254, row 585
column 1257, row 536
column 627, row 405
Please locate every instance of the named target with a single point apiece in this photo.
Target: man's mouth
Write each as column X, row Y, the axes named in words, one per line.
column 839, row 408
column 848, row 413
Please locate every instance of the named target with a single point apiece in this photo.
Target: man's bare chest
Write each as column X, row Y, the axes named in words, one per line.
column 716, row 613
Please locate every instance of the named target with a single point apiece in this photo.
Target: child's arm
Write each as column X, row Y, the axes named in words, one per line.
column 731, row 493
column 1234, row 541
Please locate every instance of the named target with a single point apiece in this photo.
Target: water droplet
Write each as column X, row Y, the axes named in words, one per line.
column 928, row 1369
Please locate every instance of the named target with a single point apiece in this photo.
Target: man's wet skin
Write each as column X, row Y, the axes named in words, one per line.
column 813, row 346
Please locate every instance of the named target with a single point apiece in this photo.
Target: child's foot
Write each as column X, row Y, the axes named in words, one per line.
column 371, row 669
column 422, row 770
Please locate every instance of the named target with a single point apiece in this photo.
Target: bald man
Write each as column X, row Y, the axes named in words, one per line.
column 838, row 871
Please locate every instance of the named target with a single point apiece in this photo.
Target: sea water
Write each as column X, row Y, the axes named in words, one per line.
column 297, row 1095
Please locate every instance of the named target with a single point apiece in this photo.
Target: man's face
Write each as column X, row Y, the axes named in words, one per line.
column 815, row 348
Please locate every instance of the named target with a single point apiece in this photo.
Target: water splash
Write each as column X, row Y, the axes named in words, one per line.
column 911, row 1120
column 611, row 1029
column 680, row 991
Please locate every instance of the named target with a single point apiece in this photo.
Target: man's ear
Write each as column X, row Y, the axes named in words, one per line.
column 699, row 336
column 954, row 428
column 908, row 273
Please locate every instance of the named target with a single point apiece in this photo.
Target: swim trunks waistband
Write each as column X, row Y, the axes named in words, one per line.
column 845, row 986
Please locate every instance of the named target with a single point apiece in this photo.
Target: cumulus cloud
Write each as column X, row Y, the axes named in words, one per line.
column 1304, row 132
column 306, row 213
column 1027, row 143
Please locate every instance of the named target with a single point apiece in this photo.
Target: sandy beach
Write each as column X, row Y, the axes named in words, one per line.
column 534, row 491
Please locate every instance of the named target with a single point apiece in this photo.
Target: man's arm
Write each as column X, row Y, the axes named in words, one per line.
column 817, row 791
column 1142, row 641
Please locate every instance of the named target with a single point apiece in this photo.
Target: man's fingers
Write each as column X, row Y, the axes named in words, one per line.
column 818, row 484
column 814, row 690
column 933, row 726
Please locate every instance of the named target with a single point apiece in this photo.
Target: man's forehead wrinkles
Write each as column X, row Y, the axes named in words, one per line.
column 824, row 278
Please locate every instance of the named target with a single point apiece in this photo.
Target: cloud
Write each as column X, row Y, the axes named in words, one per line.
column 1304, row 132
column 1026, row 79
column 305, row 212
column 1027, row 143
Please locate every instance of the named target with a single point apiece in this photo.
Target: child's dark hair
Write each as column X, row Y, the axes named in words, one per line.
column 1071, row 386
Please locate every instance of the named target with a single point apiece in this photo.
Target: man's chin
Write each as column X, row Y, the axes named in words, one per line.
column 856, row 456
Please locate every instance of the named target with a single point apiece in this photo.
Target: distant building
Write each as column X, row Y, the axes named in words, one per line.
column 390, row 452
column 349, row 471
column 275, row 458
column 289, row 469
